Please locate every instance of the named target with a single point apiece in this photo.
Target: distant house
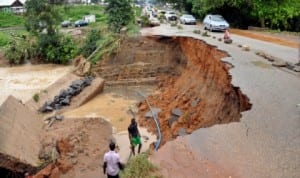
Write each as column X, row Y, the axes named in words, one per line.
column 15, row 6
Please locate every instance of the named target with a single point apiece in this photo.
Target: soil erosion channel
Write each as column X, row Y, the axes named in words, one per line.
column 194, row 85
column 184, row 80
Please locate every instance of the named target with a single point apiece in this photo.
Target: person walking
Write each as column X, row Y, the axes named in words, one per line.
column 134, row 136
column 112, row 164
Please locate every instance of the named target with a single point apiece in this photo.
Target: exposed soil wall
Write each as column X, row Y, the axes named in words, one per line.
column 203, row 92
column 142, row 58
column 192, row 80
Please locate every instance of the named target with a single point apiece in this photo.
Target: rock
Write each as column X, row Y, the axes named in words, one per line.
column 64, row 165
column 290, row 66
column 182, row 132
column 172, row 119
column 279, row 63
column 219, row 39
column 245, row 48
column 66, row 101
column 45, row 172
column 74, row 161
column 195, row 102
column 297, row 68
column 155, row 111
column 227, row 41
column 59, row 117
column 63, row 146
column 54, row 154
column 55, row 173
column 143, row 107
column 177, row 112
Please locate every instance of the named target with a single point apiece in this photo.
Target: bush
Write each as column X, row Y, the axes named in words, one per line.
column 90, row 44
column 140, row 167
column 19, row 49
column 56, row 48
column 145, row 22
column 36, row 97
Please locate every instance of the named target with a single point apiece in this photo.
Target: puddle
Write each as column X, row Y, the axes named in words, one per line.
column 261, row 64
column 113, row 104
column 23, row 81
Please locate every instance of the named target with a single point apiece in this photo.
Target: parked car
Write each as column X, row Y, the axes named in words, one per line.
column 80, row 23
column 170, row 15
column 66, row 23
column 215, row 23
column 187, row 19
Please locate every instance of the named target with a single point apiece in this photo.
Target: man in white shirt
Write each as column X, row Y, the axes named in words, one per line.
column 112, row 164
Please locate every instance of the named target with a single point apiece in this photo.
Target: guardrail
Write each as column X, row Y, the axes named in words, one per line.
column 155, row 120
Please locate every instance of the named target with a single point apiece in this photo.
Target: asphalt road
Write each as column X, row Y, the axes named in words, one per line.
column 266, row 142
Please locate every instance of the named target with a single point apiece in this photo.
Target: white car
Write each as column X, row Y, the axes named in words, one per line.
column 215, row 23
column 187, row 19
column 170, row 15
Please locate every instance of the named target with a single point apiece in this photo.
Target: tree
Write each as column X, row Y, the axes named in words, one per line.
column 120, row 14
column 42, row 21
column 41, row 15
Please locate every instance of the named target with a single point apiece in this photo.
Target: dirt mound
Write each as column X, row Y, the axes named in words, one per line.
column 201, row 96
column 75, row 147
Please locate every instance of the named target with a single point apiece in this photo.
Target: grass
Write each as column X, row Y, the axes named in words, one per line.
column 76, row 12
column 140, row 167
column 5, row 36
column 10, row 20
column 36, row 97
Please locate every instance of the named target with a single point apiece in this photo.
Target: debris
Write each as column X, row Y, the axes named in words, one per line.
column 172, row 119
column 155, row 111
column 182, row 132
column 177, row 112
column 297, row 68
column 64, row 97
column 228, row 41
column 279, row 63
column 290, row 66
column 195, row 102
column 245, row 48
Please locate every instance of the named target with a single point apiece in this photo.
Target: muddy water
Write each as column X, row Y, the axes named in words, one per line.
column 113, row 104
column 23, row 81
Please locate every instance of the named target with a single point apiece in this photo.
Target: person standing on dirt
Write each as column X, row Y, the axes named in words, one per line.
column 134, row 136
column 112, row 164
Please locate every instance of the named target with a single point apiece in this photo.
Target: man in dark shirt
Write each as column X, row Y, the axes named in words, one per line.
column 134, row 136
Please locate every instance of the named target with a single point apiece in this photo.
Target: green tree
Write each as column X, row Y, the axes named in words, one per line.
column 41, row 15
column 42, row 20
column 120, row 14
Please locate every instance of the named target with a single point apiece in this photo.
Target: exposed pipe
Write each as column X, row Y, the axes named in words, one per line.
column 155, row 120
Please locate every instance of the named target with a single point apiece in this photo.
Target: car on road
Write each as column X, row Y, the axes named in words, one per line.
column 66, row 23
column 170, row 15
column 215, row 23
column 80, row 23
column 187, row 19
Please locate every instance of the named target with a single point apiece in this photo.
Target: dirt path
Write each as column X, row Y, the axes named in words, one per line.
column 281, row 40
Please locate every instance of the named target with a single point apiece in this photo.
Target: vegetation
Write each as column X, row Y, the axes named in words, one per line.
column 73, row 13
column 140, row 167
column 120, row 14
column 19, row 49
column 36, row 97
column 90, row 44
column 275, row 14
column 4, row 39
column 8, row 19
column 57, row 48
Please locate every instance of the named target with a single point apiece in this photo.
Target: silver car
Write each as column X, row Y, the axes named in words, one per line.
column 187, row 19
column 215, row 23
